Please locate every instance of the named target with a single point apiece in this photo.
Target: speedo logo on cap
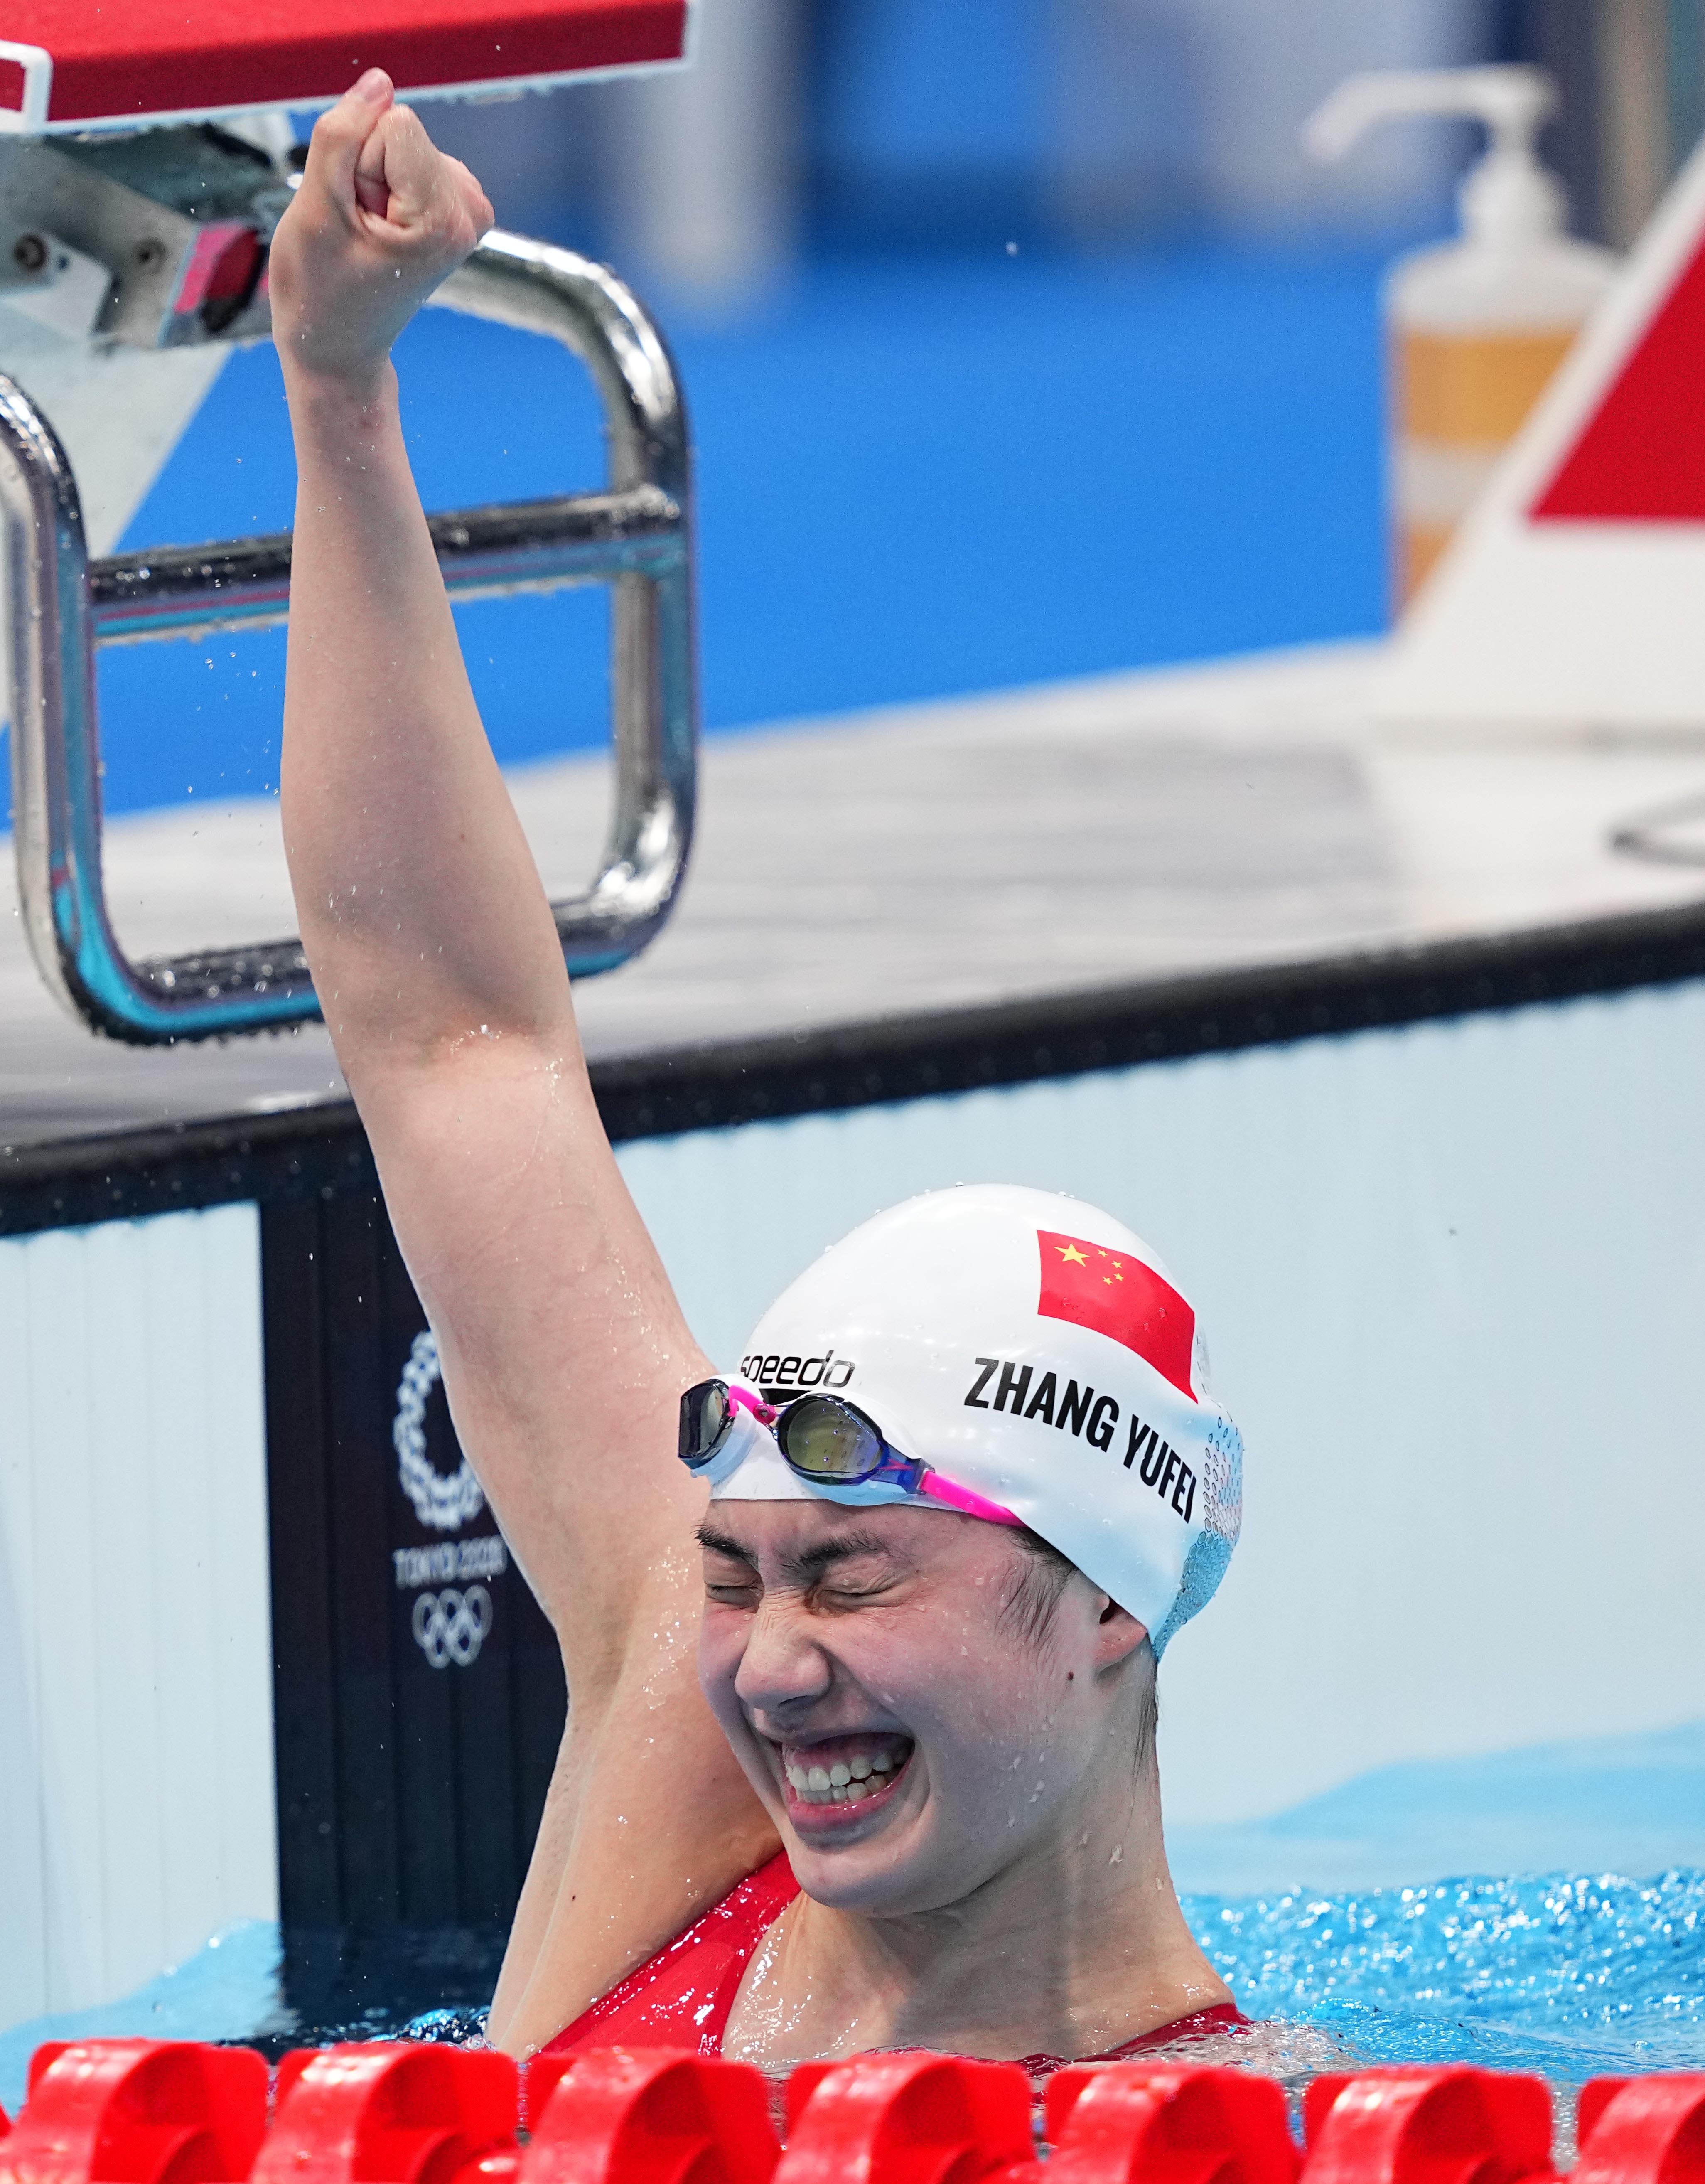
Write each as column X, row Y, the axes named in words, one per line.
column 1080, row 1411
column 778, row 1378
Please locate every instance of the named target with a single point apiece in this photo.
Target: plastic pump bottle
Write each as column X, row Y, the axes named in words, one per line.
column 1475, row 327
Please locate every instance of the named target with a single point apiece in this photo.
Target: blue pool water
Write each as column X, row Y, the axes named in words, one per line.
column 917, row 478
column 1571, row 1974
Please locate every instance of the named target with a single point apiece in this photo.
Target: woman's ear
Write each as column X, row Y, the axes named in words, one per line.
column 1118, row 1634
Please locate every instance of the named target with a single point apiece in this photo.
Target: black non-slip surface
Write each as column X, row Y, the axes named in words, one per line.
column 965, row 892
column 320, row 1152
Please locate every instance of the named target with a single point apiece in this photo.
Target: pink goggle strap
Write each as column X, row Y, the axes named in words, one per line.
column 743, row 1399
column 962, row 1499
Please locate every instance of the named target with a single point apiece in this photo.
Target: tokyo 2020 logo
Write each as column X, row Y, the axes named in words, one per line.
column 443, row 1503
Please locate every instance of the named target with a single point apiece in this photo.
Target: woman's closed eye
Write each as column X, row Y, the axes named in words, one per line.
column 854, row 1581
column 734, row 1584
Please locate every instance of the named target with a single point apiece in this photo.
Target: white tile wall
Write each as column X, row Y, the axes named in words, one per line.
column 136, row 1809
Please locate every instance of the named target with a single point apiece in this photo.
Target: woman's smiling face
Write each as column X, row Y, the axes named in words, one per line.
column 881, row 1678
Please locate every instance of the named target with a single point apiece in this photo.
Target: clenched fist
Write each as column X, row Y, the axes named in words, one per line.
column 381, row 217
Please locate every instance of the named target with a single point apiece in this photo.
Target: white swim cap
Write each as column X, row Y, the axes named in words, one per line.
column 1033, row 1350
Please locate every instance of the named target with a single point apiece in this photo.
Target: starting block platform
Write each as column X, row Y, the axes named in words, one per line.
column 1004, row 886
column 69, row 64
column 1124, row 868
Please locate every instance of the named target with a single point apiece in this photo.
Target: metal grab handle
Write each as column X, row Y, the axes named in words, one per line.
column 637, row 534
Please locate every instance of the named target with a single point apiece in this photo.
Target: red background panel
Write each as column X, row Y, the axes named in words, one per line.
column 142, row 57
column 1641, row 458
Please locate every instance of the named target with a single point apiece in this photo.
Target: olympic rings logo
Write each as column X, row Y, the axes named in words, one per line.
column 452, row 1626
column 443, row 1505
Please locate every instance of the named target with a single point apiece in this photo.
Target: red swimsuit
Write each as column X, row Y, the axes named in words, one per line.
column 681, row 1997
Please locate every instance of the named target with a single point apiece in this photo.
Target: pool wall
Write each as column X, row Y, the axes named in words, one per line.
column 137, row 1795
column 1452, row 1275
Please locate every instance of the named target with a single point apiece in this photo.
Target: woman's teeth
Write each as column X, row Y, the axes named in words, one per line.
column 848, row 1782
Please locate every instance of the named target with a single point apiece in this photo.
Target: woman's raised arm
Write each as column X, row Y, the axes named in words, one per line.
column 442, row 981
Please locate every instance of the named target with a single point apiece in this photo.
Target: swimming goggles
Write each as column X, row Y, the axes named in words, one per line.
column 826, row 1442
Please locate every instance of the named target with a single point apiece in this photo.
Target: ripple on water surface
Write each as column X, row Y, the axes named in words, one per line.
column 1569, row 1974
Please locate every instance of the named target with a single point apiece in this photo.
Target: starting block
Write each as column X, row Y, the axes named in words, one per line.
column 78, row 65
column 145, row 163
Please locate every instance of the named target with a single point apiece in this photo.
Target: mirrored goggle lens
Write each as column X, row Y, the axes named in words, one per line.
column 705, row 1415
column 827, row 1440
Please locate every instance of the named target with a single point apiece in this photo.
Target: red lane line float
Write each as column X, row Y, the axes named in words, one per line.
column 1427, row 2126
column 1594, row 2098
column 616, row 2115
column 1642, row 2131
column 166, row 2112
column 906, row 2120
column 1135, row 2124
column 138, row 2112
column 388, row 2112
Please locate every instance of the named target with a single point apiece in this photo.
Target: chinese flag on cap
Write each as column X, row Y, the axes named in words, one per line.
column 1117, row 1295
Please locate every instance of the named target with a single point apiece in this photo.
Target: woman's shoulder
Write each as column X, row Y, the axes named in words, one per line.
column 681, row 1997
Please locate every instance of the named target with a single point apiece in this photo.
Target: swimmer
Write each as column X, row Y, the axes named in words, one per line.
column 860, row 1637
